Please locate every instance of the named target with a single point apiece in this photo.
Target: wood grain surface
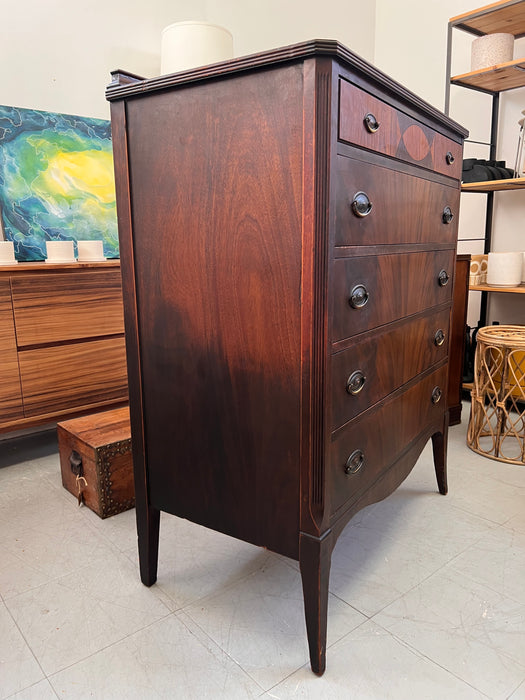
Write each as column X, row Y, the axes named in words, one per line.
column 52, row 308
column 60, row 378
column 10, row 390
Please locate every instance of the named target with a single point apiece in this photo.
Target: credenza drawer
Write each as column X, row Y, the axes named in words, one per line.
column 376, row 205
column 10, row 391
column 50, row 308
column 51, row 383
column 374, row 368
column 367, row 121
column 365, row 448
column 370, row 291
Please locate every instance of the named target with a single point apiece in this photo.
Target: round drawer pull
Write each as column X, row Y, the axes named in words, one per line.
column 361, row 204
column 355, row 382
column 450, row 158
column 439, row 338
column 443, row 278
column 447, row 215
column 436, row 395
column 359, row 296
column 355, row 462
column 371, row 123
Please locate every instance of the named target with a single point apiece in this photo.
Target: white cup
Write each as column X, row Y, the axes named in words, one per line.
column 90, row 251
column 7, row 253
column 504, row 269
column 60, row 252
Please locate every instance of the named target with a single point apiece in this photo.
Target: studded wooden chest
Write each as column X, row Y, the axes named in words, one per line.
column 96, row 462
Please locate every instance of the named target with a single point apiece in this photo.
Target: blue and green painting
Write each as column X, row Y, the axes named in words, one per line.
column 56, row 181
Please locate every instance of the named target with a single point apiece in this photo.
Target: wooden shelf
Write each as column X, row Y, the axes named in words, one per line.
column 498, row 78
column 488, row 288
column 507, row 16
column 514, row 183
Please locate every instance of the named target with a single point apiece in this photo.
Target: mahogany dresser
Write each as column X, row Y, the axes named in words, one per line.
column 288, row 237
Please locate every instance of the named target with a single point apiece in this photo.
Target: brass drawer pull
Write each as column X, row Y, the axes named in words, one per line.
column 436, row 395
column 450, row 158
column 371, row 123
column 355, row 382
column 355, row 462
column 361, row 204
column 443, row 278
column 439, row 338
column 359, row 296
column 447, row 215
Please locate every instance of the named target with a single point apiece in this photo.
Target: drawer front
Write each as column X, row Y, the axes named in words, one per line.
column 370, row 291
column 50, row 308
column 374, row 368
column 369, row 446
column 10, row 392
column 65, row 377
column 397, row 134
column 376, row 205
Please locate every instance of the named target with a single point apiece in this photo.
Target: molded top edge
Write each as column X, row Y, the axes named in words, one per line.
column 125, row 84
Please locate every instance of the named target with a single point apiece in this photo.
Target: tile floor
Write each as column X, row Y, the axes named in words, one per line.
column 427, row 596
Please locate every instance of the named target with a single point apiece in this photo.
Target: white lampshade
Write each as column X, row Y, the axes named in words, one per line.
column 186, row 45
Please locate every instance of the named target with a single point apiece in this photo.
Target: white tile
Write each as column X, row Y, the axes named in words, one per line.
column 39, row 691
column 497, row 560
column 259, row 622
column 472, row 631
column 119, row 529
column 519, row 694
column 370, row 664
column 40, row 554
column 18, row 666
column 166, row 660
column 195, row 562
column 396, row 545
column 74, row 616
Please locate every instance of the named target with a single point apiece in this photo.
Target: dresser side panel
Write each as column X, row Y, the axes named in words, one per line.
column 216, row 194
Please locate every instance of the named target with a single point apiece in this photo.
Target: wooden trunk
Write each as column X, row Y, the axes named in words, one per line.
column 96, row 462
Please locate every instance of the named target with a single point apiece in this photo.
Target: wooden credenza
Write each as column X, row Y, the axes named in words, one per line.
column 287, row 229
column 61, row 341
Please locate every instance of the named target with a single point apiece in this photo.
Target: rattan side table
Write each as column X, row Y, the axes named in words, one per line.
column 497, row 415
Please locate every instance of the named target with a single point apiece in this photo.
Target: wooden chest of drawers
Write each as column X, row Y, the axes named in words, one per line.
column 62, row 337
column 288, row 233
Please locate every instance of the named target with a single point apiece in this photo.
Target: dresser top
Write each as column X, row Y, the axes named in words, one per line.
column 30, row 267
column 125, row 84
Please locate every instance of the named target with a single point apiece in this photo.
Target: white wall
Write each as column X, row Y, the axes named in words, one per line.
column 57, row 55
column 258, row 25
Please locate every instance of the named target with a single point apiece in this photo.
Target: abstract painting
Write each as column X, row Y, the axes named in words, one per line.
column 56, row 181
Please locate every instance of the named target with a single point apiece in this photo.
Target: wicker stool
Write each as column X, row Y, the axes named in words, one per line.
column 497, row 415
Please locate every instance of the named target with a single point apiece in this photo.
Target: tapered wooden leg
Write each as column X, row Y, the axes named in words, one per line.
column 148, row 525
column 314, row 560
column 439, row 448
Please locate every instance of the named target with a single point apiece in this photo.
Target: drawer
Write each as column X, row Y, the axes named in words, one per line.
column 404, row 208
column 63, row 377
column 374, row 368
column 370, row 291
column 398, row 135
column 398, row 422
column 10, row 392
column 51, row 308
